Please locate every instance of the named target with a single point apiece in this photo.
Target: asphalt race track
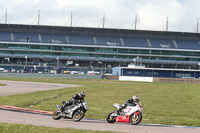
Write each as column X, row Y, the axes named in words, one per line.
column 20, row 87
column 39, row 119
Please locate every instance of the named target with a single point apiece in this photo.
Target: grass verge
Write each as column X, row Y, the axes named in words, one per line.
column 164, row 103
column 20, row 128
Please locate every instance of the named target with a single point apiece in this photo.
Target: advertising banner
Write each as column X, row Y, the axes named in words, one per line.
column 134, row 78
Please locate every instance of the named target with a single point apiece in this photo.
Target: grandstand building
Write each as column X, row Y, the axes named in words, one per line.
column 63, row 47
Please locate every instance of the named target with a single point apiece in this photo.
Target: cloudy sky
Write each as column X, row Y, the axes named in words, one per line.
column 151, row 14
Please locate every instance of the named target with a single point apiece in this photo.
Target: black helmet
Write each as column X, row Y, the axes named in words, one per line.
column 135, row 98
column 82, row 94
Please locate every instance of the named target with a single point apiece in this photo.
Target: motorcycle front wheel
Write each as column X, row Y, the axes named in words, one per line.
column 78, row 114
column 135, row 120
column 56, row 115
column 111, row 118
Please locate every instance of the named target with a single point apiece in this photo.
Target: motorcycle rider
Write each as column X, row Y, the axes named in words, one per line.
column 76, row 98
column 131, row 102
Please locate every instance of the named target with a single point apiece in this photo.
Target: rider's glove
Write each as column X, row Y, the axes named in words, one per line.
column 63, row 102
column 123, row 105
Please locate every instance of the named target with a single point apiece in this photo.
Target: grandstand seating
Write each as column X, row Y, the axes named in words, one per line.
column 53, row 38
column 99, row 40
column 161, row 43
column 188, row 44
column 135, row 42
column 80, row 39
column 25, row 37
column 46, row 38
column 5, row 36
column 103, row 47
column 108, row 40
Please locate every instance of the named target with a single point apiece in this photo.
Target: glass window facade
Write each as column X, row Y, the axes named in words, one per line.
column 108, row 52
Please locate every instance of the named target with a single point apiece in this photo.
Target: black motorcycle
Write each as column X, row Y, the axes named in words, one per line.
column 76, row 111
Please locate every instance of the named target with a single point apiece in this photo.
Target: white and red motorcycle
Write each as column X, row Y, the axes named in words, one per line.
column 130, row 114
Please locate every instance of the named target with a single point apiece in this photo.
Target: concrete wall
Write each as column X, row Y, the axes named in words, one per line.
column 176, row 80
column 76, row 76
column 112, row 77
column 61, row 76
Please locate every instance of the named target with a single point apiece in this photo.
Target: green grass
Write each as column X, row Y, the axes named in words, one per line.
column 19, row 128
column 164, row 103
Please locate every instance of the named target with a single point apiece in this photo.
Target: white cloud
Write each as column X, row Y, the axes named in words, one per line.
column 152, row 14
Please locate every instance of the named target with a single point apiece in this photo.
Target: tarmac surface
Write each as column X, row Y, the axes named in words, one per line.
column 10, row 114
column 21, row 87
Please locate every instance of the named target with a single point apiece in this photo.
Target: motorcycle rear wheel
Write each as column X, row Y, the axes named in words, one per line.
column 56, row 115
column 111, row 119
column 135, row 120
column 78, row 114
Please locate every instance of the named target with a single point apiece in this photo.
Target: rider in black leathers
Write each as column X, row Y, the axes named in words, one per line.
column 131, row 102
column 76, row 98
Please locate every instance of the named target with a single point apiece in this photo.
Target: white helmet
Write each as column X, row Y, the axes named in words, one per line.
column 136, row 98
column 82, row 94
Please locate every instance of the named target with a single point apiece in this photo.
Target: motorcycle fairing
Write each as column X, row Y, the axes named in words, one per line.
column 136, row 113
column 122, row 119
column 133, row 109
column 128, row 111
column 85, row 105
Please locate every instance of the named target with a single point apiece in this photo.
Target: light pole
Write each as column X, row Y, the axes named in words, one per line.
column 26, row 59
column 57, row 58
